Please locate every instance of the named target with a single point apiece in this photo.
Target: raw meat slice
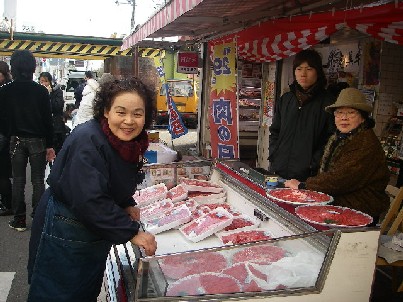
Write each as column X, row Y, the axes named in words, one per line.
column 171, row 219
column 155, row 209
column 240, row 272
column 213, row 206
column 242, row 222
column 333, row 216
column 178, row 193
column 261, row 254
column 200, row 211
column 206, row 225
column 243, row 236
column 190, row 203
column 298, row 197
column 150, row 194
column 201, row 185
column 207, row 197
column 204, row 284
column 180, row 266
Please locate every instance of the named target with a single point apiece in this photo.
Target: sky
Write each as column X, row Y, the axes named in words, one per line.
column 98, row 18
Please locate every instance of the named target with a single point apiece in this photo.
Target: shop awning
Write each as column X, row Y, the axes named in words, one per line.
column 277, row 39
column 202, row 20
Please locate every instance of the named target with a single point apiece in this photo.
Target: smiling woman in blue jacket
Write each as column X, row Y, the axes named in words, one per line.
column 89, row 204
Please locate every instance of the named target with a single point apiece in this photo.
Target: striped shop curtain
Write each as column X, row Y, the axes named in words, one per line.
column 280, row 38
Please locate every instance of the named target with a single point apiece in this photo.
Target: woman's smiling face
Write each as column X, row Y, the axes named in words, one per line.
column 126, row 117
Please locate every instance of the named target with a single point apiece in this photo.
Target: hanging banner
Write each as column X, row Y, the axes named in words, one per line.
column 223, row 106
column 175, row 124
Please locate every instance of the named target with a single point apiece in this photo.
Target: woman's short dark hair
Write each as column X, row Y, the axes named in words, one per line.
column 23, row 64
column 314, row 60
column 109, row 90
column 88, row 74
column 46, row 75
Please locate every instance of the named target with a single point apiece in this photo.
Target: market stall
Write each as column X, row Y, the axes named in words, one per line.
column 290, row 257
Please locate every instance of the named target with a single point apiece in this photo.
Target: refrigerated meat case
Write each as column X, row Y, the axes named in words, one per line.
column 319, row 263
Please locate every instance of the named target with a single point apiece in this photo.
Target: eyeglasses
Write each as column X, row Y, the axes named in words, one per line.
column 348, row 114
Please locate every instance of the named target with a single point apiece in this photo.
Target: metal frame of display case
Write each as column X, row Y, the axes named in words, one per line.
column 152, row 272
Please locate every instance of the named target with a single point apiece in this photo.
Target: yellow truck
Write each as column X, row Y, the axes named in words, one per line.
column 184, row 95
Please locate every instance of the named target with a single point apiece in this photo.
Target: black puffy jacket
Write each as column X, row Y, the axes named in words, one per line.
column 298, row 134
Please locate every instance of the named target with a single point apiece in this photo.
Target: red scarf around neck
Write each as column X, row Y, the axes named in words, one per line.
column 131, row 151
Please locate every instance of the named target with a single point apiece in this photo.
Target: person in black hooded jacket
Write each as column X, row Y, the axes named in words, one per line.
column 301, row 127
column 27, row 116
column 57, row 105
column 5, row 160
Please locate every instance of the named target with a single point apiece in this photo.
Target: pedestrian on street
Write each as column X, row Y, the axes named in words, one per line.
column 26, row 110
column 5, row 160
column 89, row 205
column 85, row 111
column 301, row 127
column 57, row 105
column 78, row 93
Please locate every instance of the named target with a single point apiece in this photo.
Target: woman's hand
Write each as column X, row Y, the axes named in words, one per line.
column 134, row 212
column 292, row 183
column 146, row 241
column 50, row 154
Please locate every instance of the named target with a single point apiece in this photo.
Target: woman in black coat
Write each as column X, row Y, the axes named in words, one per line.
column 57, row 105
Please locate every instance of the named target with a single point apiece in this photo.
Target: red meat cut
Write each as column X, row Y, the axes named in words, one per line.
column 240, row 272
column 178, row 193
column 201, row 185
column 204, row 284
column 259, row 254
column 180, row 266
column 244, row 236
column 155, row 209
column 206, row 197
column 150, row 194
column 298, row 196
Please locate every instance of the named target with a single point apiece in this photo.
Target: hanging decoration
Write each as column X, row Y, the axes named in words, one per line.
column 223, row 117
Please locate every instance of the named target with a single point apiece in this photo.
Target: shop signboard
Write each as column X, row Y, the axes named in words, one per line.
column 188, row 62
column 223, row 113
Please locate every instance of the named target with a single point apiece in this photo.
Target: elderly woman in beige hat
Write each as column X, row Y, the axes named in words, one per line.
column 353, row 167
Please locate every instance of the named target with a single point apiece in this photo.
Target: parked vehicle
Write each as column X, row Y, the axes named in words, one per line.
column 185, row 97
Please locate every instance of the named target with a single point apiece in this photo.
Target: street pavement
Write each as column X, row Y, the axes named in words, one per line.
column 14, row 255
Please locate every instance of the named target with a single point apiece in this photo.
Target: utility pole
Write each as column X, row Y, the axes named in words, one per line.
column 132, row 21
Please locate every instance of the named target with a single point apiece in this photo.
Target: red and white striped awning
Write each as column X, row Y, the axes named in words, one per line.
column 162, row 18
column 281, row 38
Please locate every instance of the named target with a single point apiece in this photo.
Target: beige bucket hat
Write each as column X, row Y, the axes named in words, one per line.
column 353, row 98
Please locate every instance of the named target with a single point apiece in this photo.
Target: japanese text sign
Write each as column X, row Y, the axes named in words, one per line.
column 188, row 62
column 223, row 118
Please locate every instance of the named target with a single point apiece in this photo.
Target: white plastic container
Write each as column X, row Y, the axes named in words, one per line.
column 207, row 224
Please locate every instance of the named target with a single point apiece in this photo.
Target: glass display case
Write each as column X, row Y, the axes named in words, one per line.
column 295, row 258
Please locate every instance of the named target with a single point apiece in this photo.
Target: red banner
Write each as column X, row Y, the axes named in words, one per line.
column 223, row 117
